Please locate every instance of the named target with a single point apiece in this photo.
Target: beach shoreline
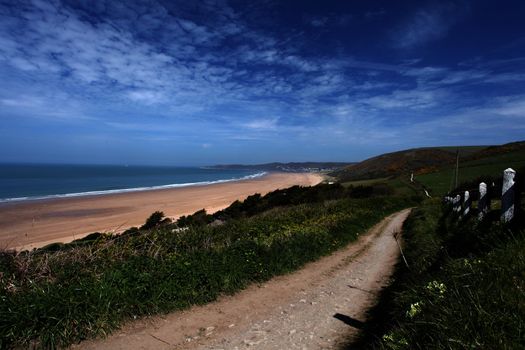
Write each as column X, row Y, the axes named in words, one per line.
column 36, row 223
column 126, row 190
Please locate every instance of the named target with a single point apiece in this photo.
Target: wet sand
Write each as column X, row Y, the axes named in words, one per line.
column 33, row 224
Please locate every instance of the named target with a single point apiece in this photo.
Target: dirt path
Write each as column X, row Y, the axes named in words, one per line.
column 315, row 308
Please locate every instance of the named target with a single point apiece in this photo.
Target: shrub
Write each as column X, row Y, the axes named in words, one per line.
column 155, row 219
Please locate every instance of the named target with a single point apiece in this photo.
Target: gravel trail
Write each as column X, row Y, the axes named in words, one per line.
column 317, row 307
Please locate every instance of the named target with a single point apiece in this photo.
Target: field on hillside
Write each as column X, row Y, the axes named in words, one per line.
column 433, row 167
column 440, row 182
column 365, row 182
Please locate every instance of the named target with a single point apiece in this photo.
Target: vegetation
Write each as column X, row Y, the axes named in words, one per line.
column 421, row 160
column 156, row 219
column 464, row 284
column 469, row 170
column 464, row 287
column 294, row 195
column 54, row 297
column 438, row 162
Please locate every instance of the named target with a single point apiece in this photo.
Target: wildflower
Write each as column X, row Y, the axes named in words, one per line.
column 436, row 287
column 414, row 309
column 394, row 341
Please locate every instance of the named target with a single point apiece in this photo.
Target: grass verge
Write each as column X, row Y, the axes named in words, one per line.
column 464, row 289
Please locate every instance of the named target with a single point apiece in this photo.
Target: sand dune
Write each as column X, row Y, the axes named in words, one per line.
column 27, row 225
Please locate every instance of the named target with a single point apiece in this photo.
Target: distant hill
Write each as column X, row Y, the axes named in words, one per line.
column 396, row 163
column 419, row 161
column 287, row 167
column 491, row 151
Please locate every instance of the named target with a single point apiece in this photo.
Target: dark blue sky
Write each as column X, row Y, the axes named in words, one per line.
column 205, row 82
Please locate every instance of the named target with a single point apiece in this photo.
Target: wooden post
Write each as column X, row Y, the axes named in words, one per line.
column 466, row 203
column 507, row 195
column 457, row 168
column 483, row 202
column 457, row 204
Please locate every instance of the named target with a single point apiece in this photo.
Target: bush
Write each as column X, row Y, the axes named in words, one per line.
column 155, row 219
column 295, row 195
column 199, row 218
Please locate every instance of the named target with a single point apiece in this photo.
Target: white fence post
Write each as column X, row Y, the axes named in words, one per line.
column 457, row 204
column 466, row 203
column 483, row 203
column 507, row 195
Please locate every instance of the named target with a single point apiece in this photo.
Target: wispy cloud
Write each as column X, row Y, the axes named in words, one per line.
column 45, row 107
column 217, row 72
column 428, row 24
column 262, row 124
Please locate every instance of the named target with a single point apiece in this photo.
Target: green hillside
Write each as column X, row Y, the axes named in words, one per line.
column 434, row 167
column 490, row 162
column 440, row 181
column 396, row 163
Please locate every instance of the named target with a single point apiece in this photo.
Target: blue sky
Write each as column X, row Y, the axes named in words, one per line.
column 206, row 82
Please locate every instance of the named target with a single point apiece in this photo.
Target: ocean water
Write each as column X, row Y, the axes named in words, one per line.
column 20, row 182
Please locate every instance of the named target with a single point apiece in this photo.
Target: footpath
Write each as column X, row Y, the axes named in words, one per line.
column 318, row 307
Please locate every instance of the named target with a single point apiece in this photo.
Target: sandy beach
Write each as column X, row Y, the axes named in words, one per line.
column 33, row 224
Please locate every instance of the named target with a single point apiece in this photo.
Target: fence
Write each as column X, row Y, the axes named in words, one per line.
column 461, row 205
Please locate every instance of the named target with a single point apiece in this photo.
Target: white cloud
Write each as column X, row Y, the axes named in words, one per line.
column 428, row 24
column 405, row 99
column 56, row 107
column 146, row 96
column 262, row 124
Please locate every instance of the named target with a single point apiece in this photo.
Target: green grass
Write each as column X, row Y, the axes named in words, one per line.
column 403, row 187
column 399, row 186
column 464, row 289
column 439, row 182
column 54, row 298
column 365, row 182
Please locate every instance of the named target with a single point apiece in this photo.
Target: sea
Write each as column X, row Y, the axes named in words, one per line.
column 23, row 182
